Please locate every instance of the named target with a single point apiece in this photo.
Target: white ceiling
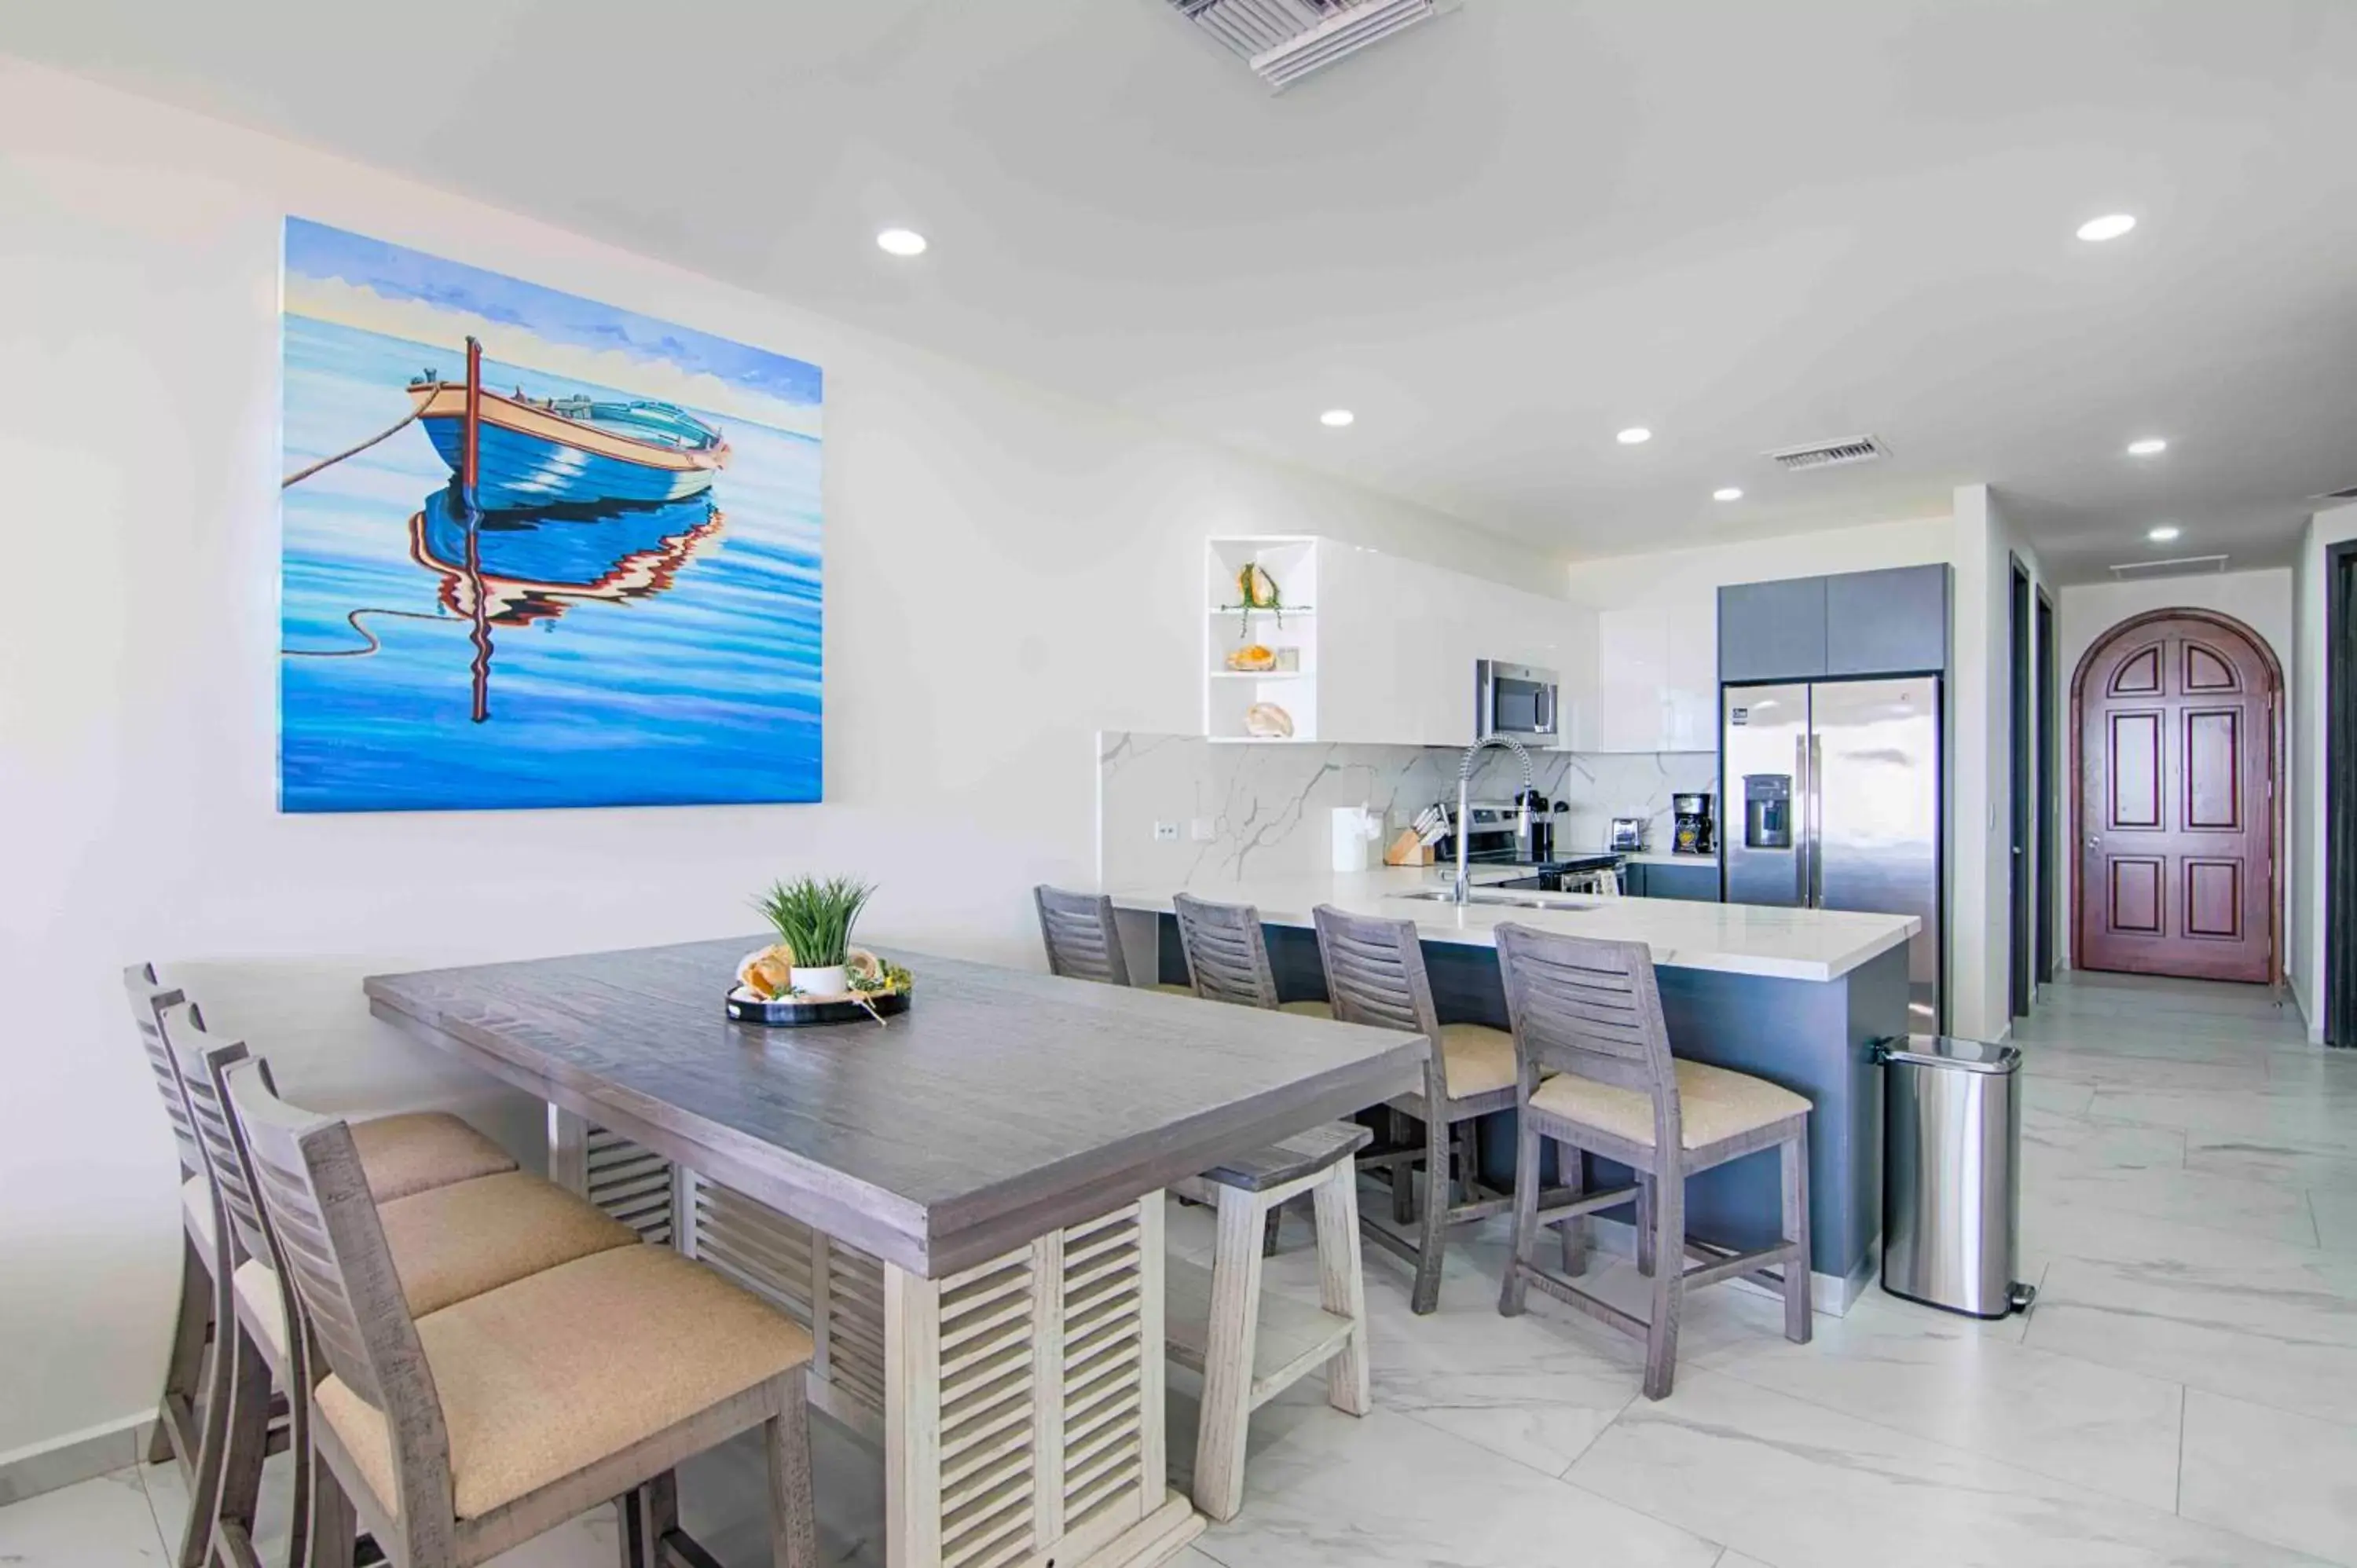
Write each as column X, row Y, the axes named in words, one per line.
column 1500, row 238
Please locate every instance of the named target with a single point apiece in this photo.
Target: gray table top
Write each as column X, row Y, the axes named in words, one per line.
column 1002, row 1105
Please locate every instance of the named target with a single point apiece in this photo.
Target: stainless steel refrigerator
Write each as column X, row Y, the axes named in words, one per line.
column 1834, row 802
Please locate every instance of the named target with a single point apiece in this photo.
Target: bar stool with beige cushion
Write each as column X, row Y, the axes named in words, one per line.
column 1375, row 975
column 1082, row 941
column 456, row 1434
column 1589, row 1014
column 448, row 1243
column 404, row 1154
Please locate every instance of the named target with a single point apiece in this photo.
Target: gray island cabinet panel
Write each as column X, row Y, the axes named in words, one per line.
column 1773, row 631
column 1887, row 623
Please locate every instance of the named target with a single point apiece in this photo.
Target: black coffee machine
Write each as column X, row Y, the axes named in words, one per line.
column 1692, row 834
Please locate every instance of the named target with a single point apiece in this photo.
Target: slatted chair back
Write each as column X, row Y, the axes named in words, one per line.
column 1227, row 953
column 1591, row 1008
column 201, row 1058
column 149, row 1001
column 1083, row 943
column 1375, row 973
column 333, row 1248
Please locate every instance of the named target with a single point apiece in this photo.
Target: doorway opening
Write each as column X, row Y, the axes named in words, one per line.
column 2176, row 742
column 2024, row 797
column 2339, row 977
column 2049, row 803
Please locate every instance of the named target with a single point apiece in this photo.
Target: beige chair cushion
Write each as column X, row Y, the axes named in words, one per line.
column 197, row 1213
column 457, row 1242
column 420, row 1149
column 545, row 1377
column 1307, row 1009
column 1479, row 1058
column 1714, row 1105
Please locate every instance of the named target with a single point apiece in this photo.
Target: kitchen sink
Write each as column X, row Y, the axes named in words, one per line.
column 1563, row 901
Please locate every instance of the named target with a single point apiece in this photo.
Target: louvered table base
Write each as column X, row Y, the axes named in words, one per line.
column 1018, row 1404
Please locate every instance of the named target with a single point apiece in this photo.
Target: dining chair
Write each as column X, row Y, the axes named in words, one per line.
column 1227, row 957
column 1375, row 975
column 1082, row 941
column 1589, row 1014
column 404, row 1154
column 448, row 1243
column 456, row 1435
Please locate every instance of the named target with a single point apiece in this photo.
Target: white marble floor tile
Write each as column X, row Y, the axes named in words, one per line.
column 100, row 1523
column 2290, row 1163
column 2055, row 1228
column 2275, row 1111
column 2334, row 1209
column 2059, row 1168
column 1386, row 1489
column 1969, row 1385
column 1788, row 1481
column 2272, row 1475
column 1734, row 1559
column 2285, row 1337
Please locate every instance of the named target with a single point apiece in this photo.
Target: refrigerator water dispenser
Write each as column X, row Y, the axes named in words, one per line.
column 1767, row 810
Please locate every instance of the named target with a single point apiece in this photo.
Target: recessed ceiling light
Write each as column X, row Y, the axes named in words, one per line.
column 1336, row 418
column 2110, row 225
column 901, row 242
column 2164, row 533
column 1633, row 436
column 2148, row 446
column 1726, row 493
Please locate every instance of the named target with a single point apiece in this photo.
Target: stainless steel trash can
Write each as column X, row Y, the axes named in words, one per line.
column 1951, row 1174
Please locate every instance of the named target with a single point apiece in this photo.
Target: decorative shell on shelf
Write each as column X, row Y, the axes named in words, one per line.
column 1253, row 656
column 1259, row 589
column 1268, row 722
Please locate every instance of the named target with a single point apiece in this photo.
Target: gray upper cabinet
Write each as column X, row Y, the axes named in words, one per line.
column 1887, row 623
column 1773, row 631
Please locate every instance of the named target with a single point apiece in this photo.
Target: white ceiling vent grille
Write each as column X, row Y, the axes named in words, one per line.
column 2179, row 566
column 1832, row 454
column 1285, row 40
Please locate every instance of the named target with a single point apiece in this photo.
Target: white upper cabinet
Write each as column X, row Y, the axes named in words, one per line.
column 1391, row 645
column 1657, row 679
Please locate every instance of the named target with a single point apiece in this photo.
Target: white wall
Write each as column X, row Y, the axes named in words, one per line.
column 2325, row 530
column 2084, row 612
column 1675, row 577
column 1007, row 573
column 1980, row 763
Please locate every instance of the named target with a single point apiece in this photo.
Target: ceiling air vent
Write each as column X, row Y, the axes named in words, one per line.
column 1285, row 40
column 1830, row 454
column 2180, row 566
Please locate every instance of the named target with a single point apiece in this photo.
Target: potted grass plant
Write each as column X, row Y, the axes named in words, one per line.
column 814, row 919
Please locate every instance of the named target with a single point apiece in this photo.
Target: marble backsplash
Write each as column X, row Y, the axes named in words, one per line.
column 1268, row 809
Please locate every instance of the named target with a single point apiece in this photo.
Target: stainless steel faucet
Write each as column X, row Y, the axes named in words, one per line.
column 1464, row 806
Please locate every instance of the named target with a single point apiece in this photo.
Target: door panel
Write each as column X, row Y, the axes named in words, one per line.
column 1766, row 731
column 1877, row 762
column 2176, row 735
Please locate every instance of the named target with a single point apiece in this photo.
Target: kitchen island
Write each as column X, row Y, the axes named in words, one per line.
column 1796, row 996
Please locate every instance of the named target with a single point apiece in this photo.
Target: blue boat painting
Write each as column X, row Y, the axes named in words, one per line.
column 580, row 568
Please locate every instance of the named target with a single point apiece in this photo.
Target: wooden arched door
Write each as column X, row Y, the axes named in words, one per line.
column 2177, row 715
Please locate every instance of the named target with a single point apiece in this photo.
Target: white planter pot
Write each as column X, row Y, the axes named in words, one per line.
column 832, row 981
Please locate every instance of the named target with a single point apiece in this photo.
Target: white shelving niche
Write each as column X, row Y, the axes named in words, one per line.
column 1290, row 631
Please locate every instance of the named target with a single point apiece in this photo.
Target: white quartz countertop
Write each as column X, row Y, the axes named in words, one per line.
column 1736, row 938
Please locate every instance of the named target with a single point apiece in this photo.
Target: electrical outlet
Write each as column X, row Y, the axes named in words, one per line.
column 1166, row 833
column 1200, row 830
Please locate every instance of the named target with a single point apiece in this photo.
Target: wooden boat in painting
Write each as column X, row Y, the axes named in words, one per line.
column 536, row 452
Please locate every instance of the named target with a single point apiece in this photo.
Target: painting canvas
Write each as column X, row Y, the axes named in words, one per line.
column 536, row 550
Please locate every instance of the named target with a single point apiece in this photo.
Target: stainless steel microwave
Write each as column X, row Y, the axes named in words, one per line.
column 1518, row 701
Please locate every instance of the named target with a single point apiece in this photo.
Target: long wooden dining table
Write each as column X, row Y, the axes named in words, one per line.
column 963, row 1203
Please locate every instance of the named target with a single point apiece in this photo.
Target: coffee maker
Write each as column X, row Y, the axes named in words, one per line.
column 1692, row 834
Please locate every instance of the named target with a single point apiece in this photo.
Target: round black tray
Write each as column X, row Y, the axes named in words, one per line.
column 790, row 1012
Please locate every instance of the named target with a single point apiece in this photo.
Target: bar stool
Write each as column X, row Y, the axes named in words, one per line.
column 1375, row 975
column 456, row 1434
column 403, row 1154
column 1590, row 1014
column 448, row 1243
column 1082, row 941
column 1251, row 1346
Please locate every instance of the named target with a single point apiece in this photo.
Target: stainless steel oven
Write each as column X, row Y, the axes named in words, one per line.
column 1518, row 701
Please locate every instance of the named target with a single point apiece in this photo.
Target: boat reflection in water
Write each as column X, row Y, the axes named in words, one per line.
column 513, row 568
